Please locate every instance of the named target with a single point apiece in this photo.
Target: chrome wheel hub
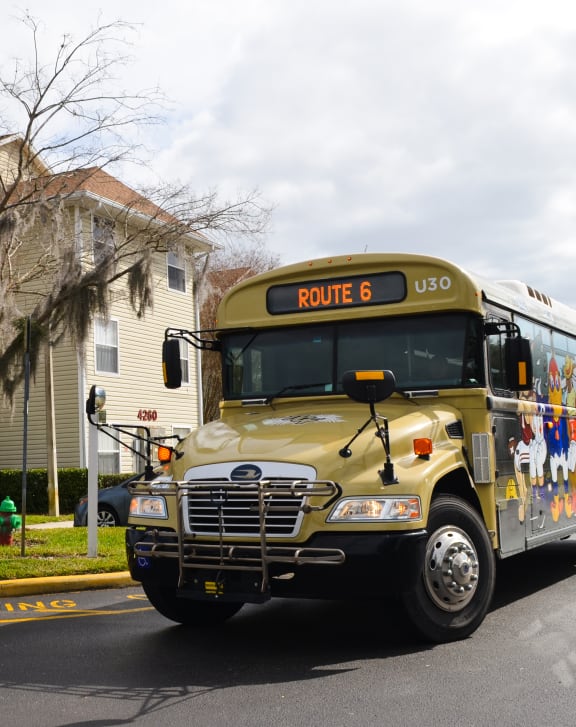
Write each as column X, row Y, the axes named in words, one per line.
column 451, row 568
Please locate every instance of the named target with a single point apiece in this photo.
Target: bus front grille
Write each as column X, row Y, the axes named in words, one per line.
column 237, row 510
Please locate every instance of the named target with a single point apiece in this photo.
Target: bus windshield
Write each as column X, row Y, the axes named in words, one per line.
column 424, row 352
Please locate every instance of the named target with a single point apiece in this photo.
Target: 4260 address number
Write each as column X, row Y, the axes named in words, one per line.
column 147, row 415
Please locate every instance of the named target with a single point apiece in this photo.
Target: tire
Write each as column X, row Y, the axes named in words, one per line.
column 186, row 611
column 106, row 517
column 450, row 599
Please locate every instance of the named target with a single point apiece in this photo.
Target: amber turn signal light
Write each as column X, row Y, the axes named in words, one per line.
column 164, row 454
column 423, row 447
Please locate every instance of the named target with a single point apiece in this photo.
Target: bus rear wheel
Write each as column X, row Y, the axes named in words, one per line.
column 456, row 584
column 188, row 612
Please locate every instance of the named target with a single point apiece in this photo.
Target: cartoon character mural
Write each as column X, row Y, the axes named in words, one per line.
column 531, row 451
column 538, row 452
column 520, row 449
column 556, row 430
column 545, row 443
column 569, row 382
column 529, row 448
column 538, row 449
column 569, row 387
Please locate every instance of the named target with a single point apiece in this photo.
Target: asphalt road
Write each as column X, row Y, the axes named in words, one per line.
column 97, row 658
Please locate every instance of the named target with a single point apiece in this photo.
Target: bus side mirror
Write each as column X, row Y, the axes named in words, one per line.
column 368, row 387
column 96, row 400
column 518, row 364
column 171, row 365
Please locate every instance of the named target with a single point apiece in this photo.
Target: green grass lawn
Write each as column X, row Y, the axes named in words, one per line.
column 61, row 551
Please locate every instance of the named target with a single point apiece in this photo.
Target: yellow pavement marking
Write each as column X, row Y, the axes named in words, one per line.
column 76, row 613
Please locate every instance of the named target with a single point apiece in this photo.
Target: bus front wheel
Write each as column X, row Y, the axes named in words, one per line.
column 188, row 612
column 456, row 584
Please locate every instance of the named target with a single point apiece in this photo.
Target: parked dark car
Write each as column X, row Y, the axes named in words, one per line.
column 113, row 506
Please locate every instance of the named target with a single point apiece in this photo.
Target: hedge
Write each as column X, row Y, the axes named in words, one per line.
column 72, row 485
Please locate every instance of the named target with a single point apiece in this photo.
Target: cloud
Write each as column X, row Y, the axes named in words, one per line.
column 447, row 128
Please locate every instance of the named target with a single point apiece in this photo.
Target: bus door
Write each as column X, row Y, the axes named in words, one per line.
column 512, row 494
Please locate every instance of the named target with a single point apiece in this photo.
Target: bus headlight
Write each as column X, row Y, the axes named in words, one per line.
column 376, row 509
column 148, row 506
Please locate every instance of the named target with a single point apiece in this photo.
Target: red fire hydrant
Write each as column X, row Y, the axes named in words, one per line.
column 8, row 521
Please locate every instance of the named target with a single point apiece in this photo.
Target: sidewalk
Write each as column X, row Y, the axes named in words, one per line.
column 63, row 584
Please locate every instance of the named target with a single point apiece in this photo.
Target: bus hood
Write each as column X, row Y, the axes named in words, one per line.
column 312, row 434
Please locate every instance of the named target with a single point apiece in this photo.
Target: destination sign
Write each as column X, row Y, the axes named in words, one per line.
column 349, row 292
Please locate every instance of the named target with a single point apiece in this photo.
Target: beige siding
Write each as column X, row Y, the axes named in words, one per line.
column 65, row 375
column 136, row 389
column 65, row 378
column 67, row 405
column 12, row 429
column 8, row 161
column 9, row 152
column 5, row 162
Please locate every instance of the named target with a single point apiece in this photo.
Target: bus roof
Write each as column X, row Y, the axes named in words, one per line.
column 525, row 300
column 431, row 283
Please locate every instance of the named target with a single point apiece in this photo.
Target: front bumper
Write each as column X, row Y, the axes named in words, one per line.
column 328, row 565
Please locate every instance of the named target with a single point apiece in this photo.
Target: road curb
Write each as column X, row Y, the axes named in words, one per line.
column 61, row 584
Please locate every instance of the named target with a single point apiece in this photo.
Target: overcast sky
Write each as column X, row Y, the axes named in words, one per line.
column 445, row 127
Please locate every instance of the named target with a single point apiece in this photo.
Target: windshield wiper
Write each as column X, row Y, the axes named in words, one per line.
column 293, row 387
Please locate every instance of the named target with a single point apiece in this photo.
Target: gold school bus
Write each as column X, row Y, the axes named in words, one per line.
column 390, row 426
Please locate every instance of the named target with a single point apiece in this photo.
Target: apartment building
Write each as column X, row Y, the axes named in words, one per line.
column 122, row 353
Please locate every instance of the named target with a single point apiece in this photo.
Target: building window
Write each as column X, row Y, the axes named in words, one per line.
column 106, row 344
column 184, row 361
column 181, row 431
column 102, row 238
column 176, row 272
column 108, row 454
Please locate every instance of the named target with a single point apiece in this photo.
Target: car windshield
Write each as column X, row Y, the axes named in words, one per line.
column 424, row 352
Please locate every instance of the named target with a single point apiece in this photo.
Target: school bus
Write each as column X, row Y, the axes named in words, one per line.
column 391, row 425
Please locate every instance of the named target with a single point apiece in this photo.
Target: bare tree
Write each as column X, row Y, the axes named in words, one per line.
column 218, row 273
column 73, row 123
column 68, row 108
